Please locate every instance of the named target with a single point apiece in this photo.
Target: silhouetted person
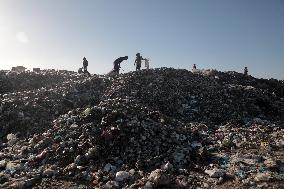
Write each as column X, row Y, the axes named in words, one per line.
column 194, row 67
column 116, row 64
column 138, row 61
column 246, row 71
column 85, row 66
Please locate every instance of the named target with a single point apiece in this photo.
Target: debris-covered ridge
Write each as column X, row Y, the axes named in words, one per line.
column 205, row 98
column 25, row 81
column 147, row 129
column 31, row 109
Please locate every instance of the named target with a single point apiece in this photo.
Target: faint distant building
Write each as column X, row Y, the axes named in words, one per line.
column 18, row 69
column 36, row 69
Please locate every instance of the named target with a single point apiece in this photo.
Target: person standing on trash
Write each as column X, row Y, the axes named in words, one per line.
column 85, row 66
column 246, row 71
column 138, row 61
column 116, row 64
column 194, row 68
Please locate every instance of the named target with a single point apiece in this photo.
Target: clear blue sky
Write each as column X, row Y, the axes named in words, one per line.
column 216, row 34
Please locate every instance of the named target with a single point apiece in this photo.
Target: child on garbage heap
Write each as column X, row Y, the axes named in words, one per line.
column 138, row 61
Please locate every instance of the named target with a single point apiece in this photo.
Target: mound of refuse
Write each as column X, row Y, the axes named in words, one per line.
column 160, row 128
column 195, row 97
column 24, row 81
column 28, row 110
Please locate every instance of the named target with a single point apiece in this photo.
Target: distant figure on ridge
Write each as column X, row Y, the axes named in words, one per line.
column 85, row 65
column 194, row 67
column 138, row 61
column 246, row 71
column 116, row 64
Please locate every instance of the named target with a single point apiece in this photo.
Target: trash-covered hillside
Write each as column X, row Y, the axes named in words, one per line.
column 157, row 128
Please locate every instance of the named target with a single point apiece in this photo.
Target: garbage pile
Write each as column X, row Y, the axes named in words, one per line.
column 31, row 108
column 161, row 128
column 195, row 97
column 23, row 81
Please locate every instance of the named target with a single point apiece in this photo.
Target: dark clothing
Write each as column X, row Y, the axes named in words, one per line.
column 138, row 66
column 138, row 62
column 85, row 64
column 246, row 71
column 116, row 64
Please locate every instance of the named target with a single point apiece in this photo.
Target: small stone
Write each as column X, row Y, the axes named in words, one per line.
column 196, row 144
column 111, row 185
column 13, row 165
column 71, row 167
column 12, row 138
column 205, row 185
column 178, row 157
column 148, row 185
column 215, row 173
column 3, row 164
column 220, row 180
column 246, row 181
column 3, row 178
column 92, row 152
column 159, row 178
column 270, row 163
column 263, row 185
column 167, row 166
column 49, row 172
column 122, row 176
column 24, row 150
column 81, row 160
column 132, row 171
column 18, row 185
column 32, row 181
column 109, row 167
column 262, row 177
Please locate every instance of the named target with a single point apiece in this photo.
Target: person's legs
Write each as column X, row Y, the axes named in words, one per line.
column 138, row 66
column 116, row 71
column 86, row 72
column 89, row 74
column 85, row 69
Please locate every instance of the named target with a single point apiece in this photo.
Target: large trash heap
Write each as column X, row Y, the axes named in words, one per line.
column 158, row 128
